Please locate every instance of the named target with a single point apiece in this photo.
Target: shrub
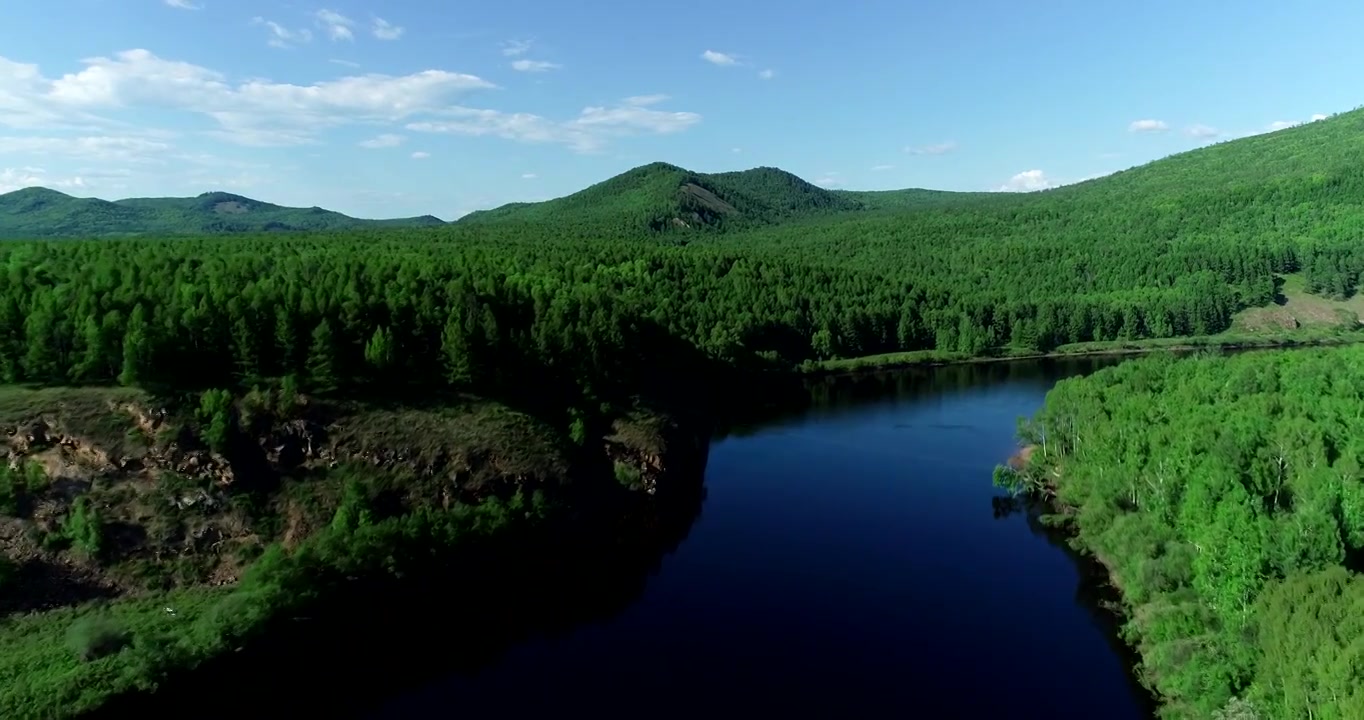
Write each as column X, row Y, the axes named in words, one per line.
column 95, row 636
column 9, row 572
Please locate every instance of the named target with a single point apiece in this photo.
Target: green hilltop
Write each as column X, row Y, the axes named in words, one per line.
column 660, row 197
column 40, row 213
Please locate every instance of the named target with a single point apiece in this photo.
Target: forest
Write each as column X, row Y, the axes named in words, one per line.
column 1226, row 496
column 664, row 288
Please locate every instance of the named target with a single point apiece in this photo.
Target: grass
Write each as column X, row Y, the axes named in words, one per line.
column 488, row 437
column 642, row 432
column 41, row 666
column 1296, row 309
column 97, row 415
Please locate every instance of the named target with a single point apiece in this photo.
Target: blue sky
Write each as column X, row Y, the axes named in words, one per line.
column 440, row 106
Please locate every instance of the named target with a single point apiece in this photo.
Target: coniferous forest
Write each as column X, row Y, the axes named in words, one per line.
column 1223, row 493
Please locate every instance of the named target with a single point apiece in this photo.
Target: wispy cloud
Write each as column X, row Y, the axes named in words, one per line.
column 1202, row 132
column 529, row 176
column 515, row 48
column 89, row 148
column 183, row 4
column 338, row 26
column 525, row 65
column 940, row 148
column 645, row 100
column 420, row 155
column 1282, row 125
column 719, row 58
column 345, row 63
column 280, row 36
column 1147, row 126
column 767, row 74
column 588, row 132
column 385, row 30
column 386, row 140
column 881, row 168
column 12, row 179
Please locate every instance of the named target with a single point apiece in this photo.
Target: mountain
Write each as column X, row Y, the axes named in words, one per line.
column 39, row 212
column 663, row 197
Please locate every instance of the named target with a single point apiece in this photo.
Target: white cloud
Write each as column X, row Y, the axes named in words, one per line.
column 386, row 140
column 533, row 65
column 515, row 48
column 280, row 36
column 1027, row 181
column 767, row 74
column 830, row 180
column 420, row 155
column 736, row 151
column 719, row 58
column 941, row 148
column 1318, row 116
column 1148, row 126
column 255, row 112
column 880, row 168
column 529, row 176
column 344, row 63
column 184, row 5
column 586, row 133
column 1282, row 125
column 385, row 30
column 1202, row 131
column 338, row 26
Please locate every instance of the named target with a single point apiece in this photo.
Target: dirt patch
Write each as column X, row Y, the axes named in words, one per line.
column 1022, row 458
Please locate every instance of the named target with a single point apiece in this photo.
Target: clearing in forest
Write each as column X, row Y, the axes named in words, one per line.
column 1295, row 308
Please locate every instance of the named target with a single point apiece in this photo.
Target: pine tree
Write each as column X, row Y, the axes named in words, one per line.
column 286, row 341
column 322, row 359
column 457, row 355
column 136, row 349
column 379, row 351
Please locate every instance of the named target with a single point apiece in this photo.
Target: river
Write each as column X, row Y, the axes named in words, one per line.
column 851, row 559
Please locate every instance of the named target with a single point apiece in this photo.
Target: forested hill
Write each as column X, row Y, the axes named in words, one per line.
column 39, row 213
column 662, row 197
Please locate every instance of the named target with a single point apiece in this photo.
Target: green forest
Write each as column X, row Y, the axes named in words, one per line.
column 535, row 332
column 1226, row 496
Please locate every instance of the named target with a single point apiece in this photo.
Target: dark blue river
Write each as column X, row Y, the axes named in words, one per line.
column 850, row 559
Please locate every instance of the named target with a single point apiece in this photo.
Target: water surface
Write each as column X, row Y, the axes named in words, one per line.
column 850, row 559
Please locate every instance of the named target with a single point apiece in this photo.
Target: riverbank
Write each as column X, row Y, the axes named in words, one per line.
column 1225, row 557
column 1221, row 342
column 142, row 540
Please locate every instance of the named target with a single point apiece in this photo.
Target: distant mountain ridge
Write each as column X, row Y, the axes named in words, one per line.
column 662, row 197
column 38, row 212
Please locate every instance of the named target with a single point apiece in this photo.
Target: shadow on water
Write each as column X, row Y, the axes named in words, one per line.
column 459, row 615
column 1093, row 592
column 830, row 396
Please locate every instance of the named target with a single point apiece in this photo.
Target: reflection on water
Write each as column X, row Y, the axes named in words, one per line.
column 843, row 566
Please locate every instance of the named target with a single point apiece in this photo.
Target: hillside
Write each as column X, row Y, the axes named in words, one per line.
column 39, row 213
column 662, row 197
